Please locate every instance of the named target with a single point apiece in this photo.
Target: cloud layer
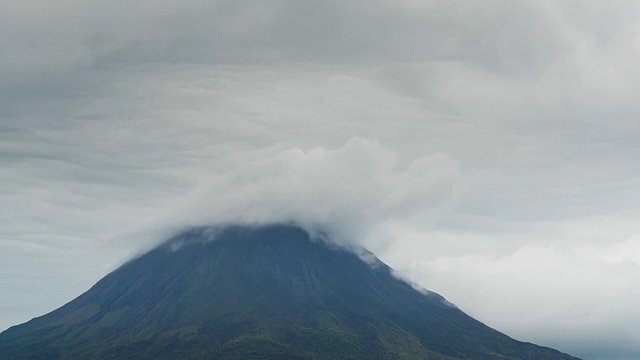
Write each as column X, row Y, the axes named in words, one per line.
column 487, row 151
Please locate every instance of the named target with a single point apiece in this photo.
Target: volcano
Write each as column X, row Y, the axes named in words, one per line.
column 271, row 292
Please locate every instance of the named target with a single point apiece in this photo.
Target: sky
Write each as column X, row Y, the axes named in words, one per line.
column 485, row 150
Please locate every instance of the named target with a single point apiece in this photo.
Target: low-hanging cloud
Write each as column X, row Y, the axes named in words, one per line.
column 344, row 192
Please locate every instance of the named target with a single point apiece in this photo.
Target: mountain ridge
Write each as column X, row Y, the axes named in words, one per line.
column 258, row 293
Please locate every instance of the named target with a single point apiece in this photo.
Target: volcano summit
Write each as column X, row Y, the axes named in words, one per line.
column 258, row 293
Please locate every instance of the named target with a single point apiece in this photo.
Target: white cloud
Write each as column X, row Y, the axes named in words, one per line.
column 347, row 192
column 555, row 285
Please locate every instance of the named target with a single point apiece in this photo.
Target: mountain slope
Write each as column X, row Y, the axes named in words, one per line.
column 267, row 293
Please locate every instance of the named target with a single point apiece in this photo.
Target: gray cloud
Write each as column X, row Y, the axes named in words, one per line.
column 496, row 35
column 120, row 118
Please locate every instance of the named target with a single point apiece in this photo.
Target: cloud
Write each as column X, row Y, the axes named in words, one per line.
column 118, row 118
column 68, row 37
column 348, row 192
column 545, row 284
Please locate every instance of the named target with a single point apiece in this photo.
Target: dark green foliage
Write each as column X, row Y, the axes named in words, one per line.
column 268, row 293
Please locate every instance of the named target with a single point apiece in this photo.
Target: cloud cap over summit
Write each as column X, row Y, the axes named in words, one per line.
column 347, row 192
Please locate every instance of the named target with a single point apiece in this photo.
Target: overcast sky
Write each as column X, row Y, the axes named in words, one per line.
column 486, row 150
